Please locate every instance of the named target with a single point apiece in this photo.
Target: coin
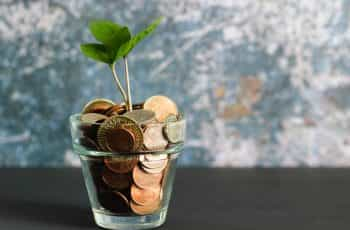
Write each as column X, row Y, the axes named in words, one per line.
column 120, row 140
column 99, row 105
column 155, row 157
column 141, row 116
column 145, row 196
column 115, row 202
column 117, row 181
column 153, row 138
column 92, row 118
column 121, row 109
column 162, row 106
column 138, row 105
column 114, row 110
column 144, row 209
column 175, row 130
column 120, row 164
column 145, row 180
column 120, row 122
column 154, row 170
column 88, row 143
column 161, row 164
column 90, row 123
column 153, row 161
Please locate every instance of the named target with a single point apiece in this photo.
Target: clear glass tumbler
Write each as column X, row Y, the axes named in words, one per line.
column 126, row 190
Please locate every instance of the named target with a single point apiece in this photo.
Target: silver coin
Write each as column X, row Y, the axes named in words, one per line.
column 155, row 164
column 153, row 170
column 155, row 157
column 141, row 116
column 153, row 138
column 175, row 131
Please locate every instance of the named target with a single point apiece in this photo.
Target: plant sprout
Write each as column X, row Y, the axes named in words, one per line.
column 115, row 42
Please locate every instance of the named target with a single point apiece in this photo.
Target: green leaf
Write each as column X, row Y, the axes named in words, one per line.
column 112, row 35
column 98, row 52
column 128, row 46
column 121, row 38
column 104, row 30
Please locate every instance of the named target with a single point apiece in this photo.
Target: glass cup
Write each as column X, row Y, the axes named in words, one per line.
column 127, row 190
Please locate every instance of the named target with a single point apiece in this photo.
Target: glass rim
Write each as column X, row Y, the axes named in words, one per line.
column 75, row 118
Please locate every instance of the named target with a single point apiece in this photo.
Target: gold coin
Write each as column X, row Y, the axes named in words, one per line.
column 162, row 106
column 121, row 164
column 175, row 130
column 117, row 181
column 99, row 105
column 120, row 140
column 145, row 180
column 145, row 196
column 119, row 122
column 153, row 138
column 141, row 116
column 144, row 209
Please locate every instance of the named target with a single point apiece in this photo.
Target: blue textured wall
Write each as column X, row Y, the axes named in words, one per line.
column 262, row 82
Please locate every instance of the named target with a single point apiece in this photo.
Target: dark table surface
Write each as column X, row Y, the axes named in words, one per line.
column 202, row 199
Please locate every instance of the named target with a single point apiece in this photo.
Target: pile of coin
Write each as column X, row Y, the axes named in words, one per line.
column 150, row 126
column 130, row 183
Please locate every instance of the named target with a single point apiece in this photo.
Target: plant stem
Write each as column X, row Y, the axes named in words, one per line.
column 127, row 80
column 121, row 90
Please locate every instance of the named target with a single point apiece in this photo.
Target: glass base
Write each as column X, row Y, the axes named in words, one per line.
column 107, row 221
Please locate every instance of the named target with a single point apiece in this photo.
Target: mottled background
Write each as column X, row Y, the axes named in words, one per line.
column 263, row 83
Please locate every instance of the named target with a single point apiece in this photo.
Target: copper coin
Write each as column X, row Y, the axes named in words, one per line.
column 153, row 138
column 99, row 105
column 117, row 181
column 88, row 143
column 120, row 140
column 121, row 109
column 115, row 110
column 145, row 196
column 115, row 202
column 120, row 122
column 145, row 180
column 138, row 105
column 120, row 164
column 144, row 209
column 162, row 106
